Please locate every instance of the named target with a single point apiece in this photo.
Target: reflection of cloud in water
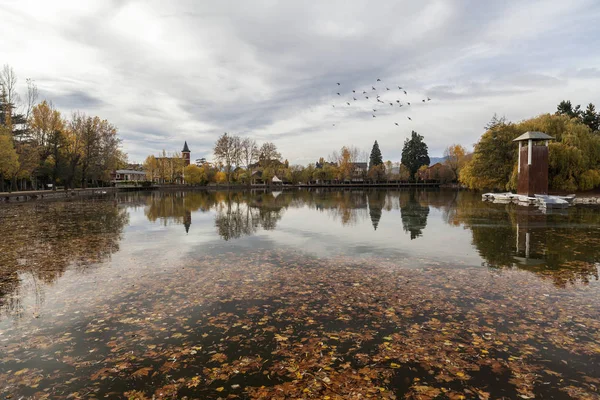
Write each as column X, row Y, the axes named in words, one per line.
column 561, row 247
column 454, row 228
column 296, row 219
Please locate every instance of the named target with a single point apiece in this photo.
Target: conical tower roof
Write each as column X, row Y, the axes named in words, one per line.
column 186, row 149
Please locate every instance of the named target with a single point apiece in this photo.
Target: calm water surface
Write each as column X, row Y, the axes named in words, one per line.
column 322, row 294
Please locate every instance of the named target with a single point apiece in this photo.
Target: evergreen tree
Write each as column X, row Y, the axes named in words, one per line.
column 495, row 121
column 591, row 118
column 8, row 117
column 566, row 108
column 414, row 153
column 375, row 159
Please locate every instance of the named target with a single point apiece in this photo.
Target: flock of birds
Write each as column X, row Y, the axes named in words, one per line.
column 375, row 98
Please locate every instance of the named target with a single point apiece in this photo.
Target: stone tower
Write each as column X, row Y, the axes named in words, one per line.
column 185, row 154
column 533, row 163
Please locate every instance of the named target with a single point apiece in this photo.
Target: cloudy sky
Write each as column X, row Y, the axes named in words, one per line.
column 165, row 72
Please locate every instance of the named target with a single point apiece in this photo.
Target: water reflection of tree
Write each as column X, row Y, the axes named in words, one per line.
column 237, row 213
column 377, row 201
column 413, row 213
column 564, row 248
column 347, row 206
column 41, row 240
column 176, row 207
column 237, row 219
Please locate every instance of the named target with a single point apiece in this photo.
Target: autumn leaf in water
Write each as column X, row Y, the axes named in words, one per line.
column 195, row 381
column 142, row 372
column 135, row 395
column 219, row 357
column 280, row 338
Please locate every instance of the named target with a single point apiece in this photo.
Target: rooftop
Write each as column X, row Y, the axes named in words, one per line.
column 185, row 148
column 360, row 164
column 130, row 171
column 533, row 136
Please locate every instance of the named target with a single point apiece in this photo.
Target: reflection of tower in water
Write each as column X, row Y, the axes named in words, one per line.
column 530, row 238
column 187, row 220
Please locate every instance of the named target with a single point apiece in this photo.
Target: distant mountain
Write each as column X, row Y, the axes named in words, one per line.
column 434, row 160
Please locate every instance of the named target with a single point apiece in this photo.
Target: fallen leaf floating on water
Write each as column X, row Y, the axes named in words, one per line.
column 283, row 324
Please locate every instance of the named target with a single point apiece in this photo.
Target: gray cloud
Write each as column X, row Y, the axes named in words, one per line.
column 269, row 70
column 588, row 73
column 75, row 100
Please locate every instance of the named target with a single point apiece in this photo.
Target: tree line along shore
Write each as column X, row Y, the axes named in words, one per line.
column 574, row 159
column 40, row 148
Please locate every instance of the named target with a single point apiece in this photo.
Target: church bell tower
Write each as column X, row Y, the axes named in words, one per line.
column 185, row 154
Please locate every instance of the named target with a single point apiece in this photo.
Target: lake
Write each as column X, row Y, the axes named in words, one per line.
column 298, row 294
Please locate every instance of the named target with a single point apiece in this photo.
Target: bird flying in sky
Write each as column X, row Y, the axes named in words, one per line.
column 379, row 99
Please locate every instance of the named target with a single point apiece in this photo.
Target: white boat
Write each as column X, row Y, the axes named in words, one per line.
column 554, row 201
column 498, row 196
column 542, row 200
column 570, row 198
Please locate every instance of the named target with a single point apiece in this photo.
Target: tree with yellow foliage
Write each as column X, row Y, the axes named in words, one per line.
column 151, row 168
column 221, row 177
column 46, row 125
column 574, row 156
column 345, row 160
column 455, row 158
column 422, row 173
column 194, row 175
column 9, row 160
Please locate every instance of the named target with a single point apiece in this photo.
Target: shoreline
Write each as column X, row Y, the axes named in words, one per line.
column 37, row 195
column 30, row 195
column 593, row 198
